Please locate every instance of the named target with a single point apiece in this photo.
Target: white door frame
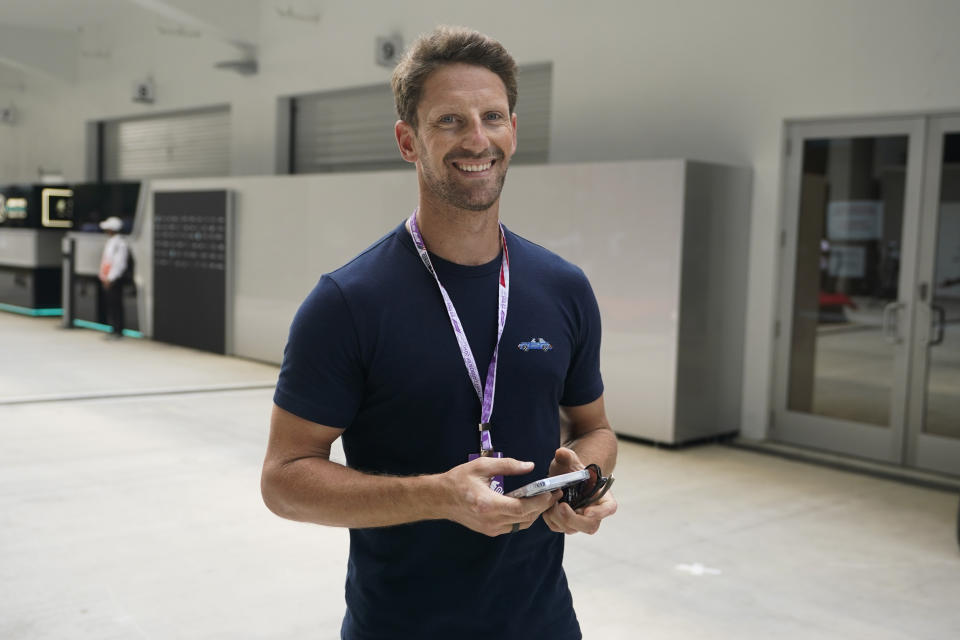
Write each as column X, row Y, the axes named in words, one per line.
column 922, row 450
column 844, row 436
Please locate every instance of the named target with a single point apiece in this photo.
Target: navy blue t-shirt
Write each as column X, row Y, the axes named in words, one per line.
column 371, row 351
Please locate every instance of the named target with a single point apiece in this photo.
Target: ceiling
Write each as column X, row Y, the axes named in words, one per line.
column 237, row 16
column 43, row 36
column 65, row 15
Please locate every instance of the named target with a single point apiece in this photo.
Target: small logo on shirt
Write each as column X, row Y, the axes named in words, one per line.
column 535, row 344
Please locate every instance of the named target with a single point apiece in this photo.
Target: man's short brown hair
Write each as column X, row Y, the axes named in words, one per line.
column 448, row 45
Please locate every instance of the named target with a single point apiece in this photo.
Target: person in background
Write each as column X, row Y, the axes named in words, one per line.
column 390, row 352
column 113, row 269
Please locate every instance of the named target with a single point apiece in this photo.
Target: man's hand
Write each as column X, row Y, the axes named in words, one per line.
column 561, row 518
column 471, row 502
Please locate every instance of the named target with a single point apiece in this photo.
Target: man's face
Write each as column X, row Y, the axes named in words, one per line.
column 465, row 137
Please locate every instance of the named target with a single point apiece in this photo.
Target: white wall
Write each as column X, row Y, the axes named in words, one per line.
column 632, row 79
column 651, row 236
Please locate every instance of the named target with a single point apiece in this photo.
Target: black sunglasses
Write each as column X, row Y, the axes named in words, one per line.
column 587, row 491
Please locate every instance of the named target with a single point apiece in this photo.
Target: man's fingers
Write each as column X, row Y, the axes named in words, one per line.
column 603, row 509
column 574, row 522
column 517, row 517
column 563, row 519
column 520, row 509
column 501, row 507
column 552, row 523
column 535, row 505
column 520, row 525
column 564, row 461
column 568, row 458
column 502, row 466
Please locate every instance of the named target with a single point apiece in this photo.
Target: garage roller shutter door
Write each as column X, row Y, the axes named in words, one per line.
column 193, row 144
column 352, row 129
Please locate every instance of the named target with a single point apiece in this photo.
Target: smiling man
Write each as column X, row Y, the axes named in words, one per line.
column 410, row 354
column 465, row 138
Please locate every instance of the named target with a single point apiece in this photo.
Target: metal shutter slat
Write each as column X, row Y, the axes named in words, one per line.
column 193, row 144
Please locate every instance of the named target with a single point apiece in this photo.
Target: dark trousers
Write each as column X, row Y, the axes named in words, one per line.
column 115, row 306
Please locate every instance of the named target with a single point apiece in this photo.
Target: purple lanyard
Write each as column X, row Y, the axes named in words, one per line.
column 486, row 394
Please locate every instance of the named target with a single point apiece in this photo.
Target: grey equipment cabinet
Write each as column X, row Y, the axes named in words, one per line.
column 665, row 245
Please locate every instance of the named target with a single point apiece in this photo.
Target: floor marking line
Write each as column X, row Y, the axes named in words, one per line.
column 135, row 393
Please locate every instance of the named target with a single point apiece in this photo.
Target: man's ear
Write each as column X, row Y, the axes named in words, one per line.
column 513, row 122
column 405, row 140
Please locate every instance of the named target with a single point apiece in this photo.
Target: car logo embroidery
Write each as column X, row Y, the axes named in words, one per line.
column 535, row 344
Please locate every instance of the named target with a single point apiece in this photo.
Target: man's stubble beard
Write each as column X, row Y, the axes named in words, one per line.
column 449, row 191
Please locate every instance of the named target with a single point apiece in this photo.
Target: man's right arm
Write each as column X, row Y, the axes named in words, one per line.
column 300, row 482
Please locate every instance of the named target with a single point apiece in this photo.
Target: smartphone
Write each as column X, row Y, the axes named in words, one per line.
column 550, row 484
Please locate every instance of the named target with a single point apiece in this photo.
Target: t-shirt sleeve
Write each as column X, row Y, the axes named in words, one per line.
column 321, row 378
column 584, row 383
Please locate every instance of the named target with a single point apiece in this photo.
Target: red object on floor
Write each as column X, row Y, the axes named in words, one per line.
column 836, row 300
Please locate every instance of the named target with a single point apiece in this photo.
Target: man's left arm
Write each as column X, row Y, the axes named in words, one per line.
column 589, row 440
column 118, row 264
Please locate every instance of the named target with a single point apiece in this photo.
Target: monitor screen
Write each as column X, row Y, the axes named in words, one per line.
column 19, row 206
column 94, row 203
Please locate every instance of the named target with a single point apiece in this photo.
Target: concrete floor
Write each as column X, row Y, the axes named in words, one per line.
column 130, row 508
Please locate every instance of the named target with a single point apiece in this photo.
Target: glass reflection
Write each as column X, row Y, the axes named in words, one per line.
column 943, row 380
column 846, row 283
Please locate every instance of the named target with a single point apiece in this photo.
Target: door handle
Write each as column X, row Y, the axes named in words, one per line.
column 891, row 329
column 940, row 326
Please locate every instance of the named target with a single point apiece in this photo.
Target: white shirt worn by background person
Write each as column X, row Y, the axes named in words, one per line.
column 114, row 260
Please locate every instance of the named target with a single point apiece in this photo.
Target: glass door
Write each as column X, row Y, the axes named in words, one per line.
column 846, row 290
column 933, row 441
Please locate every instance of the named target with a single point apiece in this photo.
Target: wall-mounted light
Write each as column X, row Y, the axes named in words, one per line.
column 246, row 65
